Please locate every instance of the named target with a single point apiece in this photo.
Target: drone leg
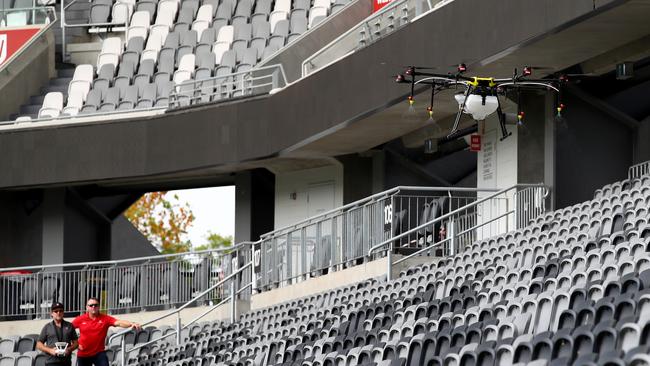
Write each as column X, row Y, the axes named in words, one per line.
column 460, row 112
column 502, row 122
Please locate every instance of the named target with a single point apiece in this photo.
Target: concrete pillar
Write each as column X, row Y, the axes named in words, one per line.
column 254, row 204
column 53, row 226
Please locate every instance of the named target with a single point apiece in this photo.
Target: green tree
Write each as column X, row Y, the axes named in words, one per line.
column 162, row 221
column 215, row 241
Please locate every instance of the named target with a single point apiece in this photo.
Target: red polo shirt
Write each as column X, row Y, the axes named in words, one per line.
column 92, row 333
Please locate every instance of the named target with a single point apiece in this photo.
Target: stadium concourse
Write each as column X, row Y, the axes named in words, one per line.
column 573, row 287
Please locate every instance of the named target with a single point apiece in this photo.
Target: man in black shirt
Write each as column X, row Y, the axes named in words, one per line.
column 57, row 331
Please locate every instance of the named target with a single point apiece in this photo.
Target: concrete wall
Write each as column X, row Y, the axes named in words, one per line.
column 57, row 225
column 292, row 193
column 254, row 202
column 22, row 327
column 255, row 128
column 497, row 160
column 26, row 74
column 21, row 216
column 592, row 150
column 127, row 241
column 312, row 286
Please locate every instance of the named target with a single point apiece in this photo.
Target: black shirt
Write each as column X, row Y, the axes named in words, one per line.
column 50, row 334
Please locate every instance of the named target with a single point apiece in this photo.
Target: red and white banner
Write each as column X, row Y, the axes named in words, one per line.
column 378, row 4
column 11, row 40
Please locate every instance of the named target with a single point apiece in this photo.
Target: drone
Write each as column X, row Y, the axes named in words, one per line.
column 480, row 97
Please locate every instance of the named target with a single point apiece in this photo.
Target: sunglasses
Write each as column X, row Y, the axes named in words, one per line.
column 93, row 305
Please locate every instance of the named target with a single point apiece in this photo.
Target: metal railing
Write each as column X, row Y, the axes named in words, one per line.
column 639, row 170
column 113, row 27
column 342, row 237
column 263, row 80
column 147, row 283
column 492, row 216
column 34, row 15
column 94, row 116
column 235, row 289
column 390, row 18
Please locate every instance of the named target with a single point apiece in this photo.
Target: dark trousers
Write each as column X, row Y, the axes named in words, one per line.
column 99, row 359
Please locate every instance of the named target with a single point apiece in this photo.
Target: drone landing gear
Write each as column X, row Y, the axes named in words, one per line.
column 502, row 123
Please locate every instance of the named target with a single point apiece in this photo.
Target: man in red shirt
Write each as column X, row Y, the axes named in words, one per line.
column 93, row 327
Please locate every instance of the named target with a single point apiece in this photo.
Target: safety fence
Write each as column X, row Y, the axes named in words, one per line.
column 263, row 80
column 639, row 170
column 148, row 283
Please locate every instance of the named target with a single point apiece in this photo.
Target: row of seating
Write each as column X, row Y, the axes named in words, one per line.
column 571, row 288
column 551, row 293
column 214, row 38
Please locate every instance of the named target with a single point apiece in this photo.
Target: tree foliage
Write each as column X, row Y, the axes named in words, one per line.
column 215, row 241
column 163, row 221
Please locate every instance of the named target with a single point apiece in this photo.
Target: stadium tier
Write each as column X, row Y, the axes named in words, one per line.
column 573, row 287
column 169, row 42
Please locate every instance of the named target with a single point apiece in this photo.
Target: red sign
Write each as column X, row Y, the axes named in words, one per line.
column 475, row 143
column 11, row 40
column 378, row 4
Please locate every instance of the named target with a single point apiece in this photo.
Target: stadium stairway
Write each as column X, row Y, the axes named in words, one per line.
column 573, row 287
column 64, row 72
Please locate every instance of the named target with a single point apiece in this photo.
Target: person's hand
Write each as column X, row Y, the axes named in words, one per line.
column 136, row 326
column 51, row 351
column 68, row 351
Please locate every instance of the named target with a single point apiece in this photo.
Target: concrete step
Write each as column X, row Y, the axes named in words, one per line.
column 37, row 99
column 65, row 73
column 55, row 88
column 30, row 109
column 60, row 82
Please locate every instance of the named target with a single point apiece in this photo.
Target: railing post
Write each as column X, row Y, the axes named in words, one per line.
column 62, row 21
column 178, row 329
column 233, row 297
column 452, row 236
column 389, row 262
column 123, row 353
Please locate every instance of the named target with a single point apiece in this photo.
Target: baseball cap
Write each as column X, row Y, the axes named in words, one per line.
column 57, row 305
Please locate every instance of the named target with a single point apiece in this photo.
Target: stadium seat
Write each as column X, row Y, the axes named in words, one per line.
column 52, row 105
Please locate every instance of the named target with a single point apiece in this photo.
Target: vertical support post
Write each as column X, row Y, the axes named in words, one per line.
column 178, row 328
column 123, row 353
column 233, row 299
column 508, row 210
column 389, row 262
column 452, row 237
column 62, row 23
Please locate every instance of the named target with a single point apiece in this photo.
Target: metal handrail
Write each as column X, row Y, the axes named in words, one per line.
column 178, row 88
column 45, row 28
column 387, row 244
column 364, row 24
column 638, row 170
column 369, row 199
column 179, row 309
column 449, row 214
column 121, row 261
column 449, row 238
